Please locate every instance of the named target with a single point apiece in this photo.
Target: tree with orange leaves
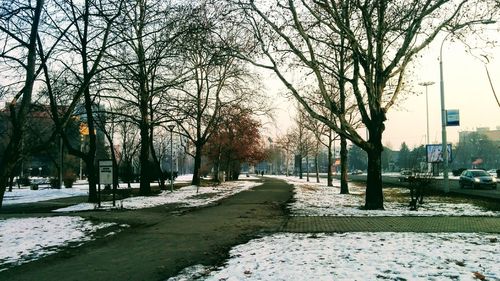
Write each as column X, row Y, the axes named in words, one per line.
column 237, row 141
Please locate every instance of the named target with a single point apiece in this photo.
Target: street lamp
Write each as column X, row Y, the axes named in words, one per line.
column 444, row 148
column 171, row 129
column 426, row 84
column 40, row 171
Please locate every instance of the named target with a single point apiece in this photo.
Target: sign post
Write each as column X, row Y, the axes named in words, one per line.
column 452, row 117
column 105, row 175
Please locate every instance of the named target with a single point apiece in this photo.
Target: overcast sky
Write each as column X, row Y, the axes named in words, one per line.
column 466, row 88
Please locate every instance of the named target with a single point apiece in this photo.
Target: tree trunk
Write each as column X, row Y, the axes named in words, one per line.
column 300, row 166
column 307, row 166
column 374, row 195
column 145, row 185
column 344, row 187
column 317, row 167
column 92, row 179
column 91, row 154
column 329, row 176
column 374, row 199
column 197, row 165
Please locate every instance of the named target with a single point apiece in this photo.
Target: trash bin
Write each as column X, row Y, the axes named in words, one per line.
column 34, row 186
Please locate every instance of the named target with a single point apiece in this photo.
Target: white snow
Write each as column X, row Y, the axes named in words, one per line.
column 26, row 239
column 80, row 188
column 25, row 195
column 358, row 256
column 317, row 199
column 188, row 196
column 290, row 256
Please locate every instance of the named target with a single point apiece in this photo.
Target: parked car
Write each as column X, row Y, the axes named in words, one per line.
column 493, row 172
column 404, row 175
column 477, row 178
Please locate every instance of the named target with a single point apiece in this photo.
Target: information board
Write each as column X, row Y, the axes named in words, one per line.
column 105, row 172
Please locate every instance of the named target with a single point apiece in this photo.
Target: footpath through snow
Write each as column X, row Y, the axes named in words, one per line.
column 290, row 256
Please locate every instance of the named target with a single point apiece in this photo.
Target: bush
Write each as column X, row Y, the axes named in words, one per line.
column 69, row 178
column 24, row 181
column 54, row 183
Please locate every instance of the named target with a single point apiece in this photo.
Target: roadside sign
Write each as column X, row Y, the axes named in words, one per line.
column 452, row 117
column 105, row 172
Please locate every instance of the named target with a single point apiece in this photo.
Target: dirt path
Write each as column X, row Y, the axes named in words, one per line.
column 162, row 241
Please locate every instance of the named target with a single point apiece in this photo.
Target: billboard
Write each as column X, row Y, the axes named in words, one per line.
column 434, row 154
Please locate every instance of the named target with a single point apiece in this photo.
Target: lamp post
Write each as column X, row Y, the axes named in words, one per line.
column 426, row 84
column 171, row 129
column 444, row 148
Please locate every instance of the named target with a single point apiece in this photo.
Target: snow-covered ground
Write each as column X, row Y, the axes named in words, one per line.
column 188, row 196
column 358, row 256
column 25, row 195
column 317, row 199
column 26, row 239
column 291, row 256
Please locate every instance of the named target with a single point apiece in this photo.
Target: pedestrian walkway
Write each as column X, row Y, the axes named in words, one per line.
column 160, row 242
column 392, row 224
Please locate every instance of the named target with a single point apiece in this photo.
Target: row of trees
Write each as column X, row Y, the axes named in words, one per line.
column 126, row 68
column 333, row 56
column 158, row 62
column 474, row 151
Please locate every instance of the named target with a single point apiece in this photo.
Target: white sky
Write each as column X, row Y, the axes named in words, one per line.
column 466, row 88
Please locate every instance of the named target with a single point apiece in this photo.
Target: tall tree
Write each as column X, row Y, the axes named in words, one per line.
column 217, row 78
column 149, row 66
column 382, row 37
column 72, row 91
column 19, row 31
column 404, row 158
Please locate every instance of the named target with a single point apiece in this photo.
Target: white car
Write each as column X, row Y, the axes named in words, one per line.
column 492, row 172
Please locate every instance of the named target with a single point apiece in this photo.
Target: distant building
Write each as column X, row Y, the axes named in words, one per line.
column 492, row 135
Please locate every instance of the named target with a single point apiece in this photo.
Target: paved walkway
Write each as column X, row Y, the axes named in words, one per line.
column 162, row 241
column 392, row 224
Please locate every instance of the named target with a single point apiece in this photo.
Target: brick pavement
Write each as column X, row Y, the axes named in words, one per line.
column 392, row 224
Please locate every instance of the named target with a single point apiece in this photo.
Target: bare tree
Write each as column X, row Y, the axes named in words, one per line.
column 217, row 78
column 19, row 29
column 382, row 39
column 286, row 143
column 149, row 30
column 73, row 89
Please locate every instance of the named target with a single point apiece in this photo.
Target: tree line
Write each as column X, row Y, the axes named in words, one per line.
column 148, row 63
column 128, row 69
